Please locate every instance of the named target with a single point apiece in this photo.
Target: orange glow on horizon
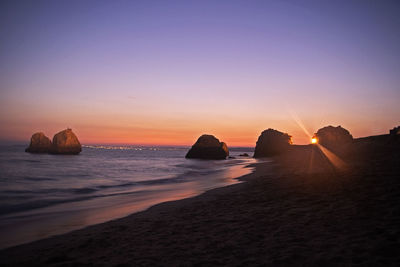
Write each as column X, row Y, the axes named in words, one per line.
column 152, row 131
column 314, row 140
column 154, row 137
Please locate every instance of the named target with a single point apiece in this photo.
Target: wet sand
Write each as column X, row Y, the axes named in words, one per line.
column 297, row 210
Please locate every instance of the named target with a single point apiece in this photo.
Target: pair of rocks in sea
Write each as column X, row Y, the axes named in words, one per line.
column 270, row 143
column 64, row 142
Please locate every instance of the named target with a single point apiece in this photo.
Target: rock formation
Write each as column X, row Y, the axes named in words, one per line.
column 272, row 142
column 225, row 148
column 334, row 138
column 395, row 131
column 208, row 147
column 39, row 144
column 66, row 142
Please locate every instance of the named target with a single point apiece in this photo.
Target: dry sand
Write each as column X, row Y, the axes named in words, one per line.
column 289, row 212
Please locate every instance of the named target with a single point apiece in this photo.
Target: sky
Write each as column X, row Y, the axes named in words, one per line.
column 165, row 72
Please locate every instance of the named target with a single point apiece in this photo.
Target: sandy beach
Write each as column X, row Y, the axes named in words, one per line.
column 295, row 210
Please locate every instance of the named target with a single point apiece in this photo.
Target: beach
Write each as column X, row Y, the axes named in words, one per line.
column 287, row 212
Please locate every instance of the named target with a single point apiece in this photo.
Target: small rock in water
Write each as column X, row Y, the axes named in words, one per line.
column 39, row 144
column 66, row 142
column 208, row 147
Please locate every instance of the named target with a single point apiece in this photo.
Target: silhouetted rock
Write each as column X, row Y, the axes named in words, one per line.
column 225, row 148
column 244, row 155
column 39, row 144
column 395, row 131
column 272, row 142
column 208, row 147
column 66, row 142
column 334, row 138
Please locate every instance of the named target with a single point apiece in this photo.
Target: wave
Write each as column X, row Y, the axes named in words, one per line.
column 184, row 177
column 43, row 203
column 87, row 193
column 38, row 181
column 49, row 191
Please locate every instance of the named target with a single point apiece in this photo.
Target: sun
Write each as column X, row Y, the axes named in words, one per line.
column 314, row 140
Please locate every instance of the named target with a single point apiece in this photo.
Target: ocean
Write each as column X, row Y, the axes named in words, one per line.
column 43, row 195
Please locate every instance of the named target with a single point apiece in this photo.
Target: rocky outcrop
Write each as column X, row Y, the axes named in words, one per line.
column 395, row 131
column 334, row 138
column 225, row 148
column 272, row 142
column 208, row 147
column 39, row 144
column 66, row 142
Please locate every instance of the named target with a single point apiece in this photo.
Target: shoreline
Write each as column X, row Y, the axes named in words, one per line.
column 159, row 205
column 117, row 207
column 286, row 213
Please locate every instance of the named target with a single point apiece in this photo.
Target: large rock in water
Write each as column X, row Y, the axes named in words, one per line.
column 334, row 138
column 272, row 142
column 66, row 142
column 208, row 147
column 39, row 144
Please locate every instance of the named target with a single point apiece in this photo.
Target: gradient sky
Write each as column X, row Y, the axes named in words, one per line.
column 165, row 72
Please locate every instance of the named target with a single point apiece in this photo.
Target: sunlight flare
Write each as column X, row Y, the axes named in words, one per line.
column 297, row 119
column 333, row 158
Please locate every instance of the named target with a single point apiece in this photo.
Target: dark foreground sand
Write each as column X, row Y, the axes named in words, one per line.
column 298, row 210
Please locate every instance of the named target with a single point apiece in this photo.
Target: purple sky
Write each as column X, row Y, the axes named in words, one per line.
column 164, row 72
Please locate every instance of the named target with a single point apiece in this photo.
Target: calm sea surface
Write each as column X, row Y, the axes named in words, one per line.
column 43, row 195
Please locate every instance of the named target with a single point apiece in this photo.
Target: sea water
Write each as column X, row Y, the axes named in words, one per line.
column 43, row 195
